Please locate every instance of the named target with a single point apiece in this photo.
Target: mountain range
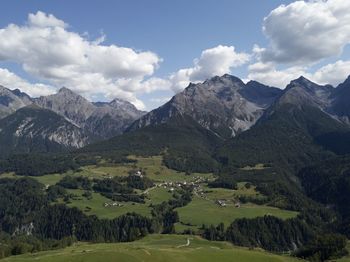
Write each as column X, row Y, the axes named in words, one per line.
column 223, row 122
column 77, row 121
column 230, row 119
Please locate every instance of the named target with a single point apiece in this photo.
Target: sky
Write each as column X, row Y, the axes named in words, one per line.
column 147, row 51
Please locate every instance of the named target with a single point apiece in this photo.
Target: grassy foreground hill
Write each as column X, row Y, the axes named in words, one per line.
column 154, row 248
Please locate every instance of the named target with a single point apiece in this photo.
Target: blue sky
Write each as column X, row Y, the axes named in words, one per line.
column 176, row 33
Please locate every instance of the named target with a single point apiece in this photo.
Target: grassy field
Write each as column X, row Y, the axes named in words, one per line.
column 201, row 211
column 206, row 211
column 95, row 206
column 154, row 248
column 46, row 180
column 223, row 193
column 152, row 166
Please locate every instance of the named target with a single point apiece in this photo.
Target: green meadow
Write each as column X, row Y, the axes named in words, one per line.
column 95, row 205
column 154, row 248
column 201, row 211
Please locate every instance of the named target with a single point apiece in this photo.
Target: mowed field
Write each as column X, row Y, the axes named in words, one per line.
column 154, row 248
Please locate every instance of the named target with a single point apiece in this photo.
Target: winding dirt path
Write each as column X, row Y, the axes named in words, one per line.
column 186, row 245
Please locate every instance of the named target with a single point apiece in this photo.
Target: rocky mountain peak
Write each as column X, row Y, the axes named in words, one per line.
column 21, row 94
column 12, row 100
column 302, row 80
column 2, row 88
column 116, row 102
column 308, row 85
column 103, row 119
column 340, row 101
column 224, row 81
column 65, row 90
column 302, row 83
column 69, row 95
column 218, row 104
column 345, row 84
column 347, row 81
column 302, row 91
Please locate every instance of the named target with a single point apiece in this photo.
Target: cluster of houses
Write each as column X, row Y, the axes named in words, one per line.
column 113, row 204
column 223, row 203
column 180, row 184
column 199, row 191
column 171, row 186
column 138, row 173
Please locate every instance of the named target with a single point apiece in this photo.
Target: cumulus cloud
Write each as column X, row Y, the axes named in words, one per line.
column 333, row 74
column 13, row 81
column 42, row 19
column 269, row 75
column 214, row 61
column 306, row 32
column 47, row 50
column 160, row 100
column 300, row 35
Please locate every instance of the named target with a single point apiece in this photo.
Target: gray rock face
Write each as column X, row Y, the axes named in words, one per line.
column 110, row 119
column 340, row 101
column 103, row 120
column 68, row 104
column 79, row 121
column 302, row 91
column 12, row 100
column 34, row 129
column 333, row 101
column 224, row 105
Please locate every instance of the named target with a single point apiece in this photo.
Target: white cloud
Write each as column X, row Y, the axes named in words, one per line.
column 333, row 74
column 269, row 75
column 214, row 61
column 12, row 81
column 306, row 32
column 160, row 100
column 301, row 34
column 47, row 50
column 40, row 19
